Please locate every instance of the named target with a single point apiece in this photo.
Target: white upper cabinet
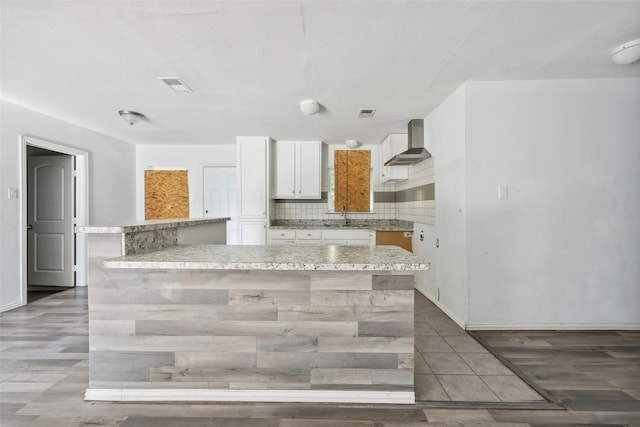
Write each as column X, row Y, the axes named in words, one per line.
column 252, row 177
column 393, row 144
column 297, row 169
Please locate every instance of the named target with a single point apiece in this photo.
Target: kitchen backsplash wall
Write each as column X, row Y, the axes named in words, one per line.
column 318, row 209
column 415, row 197
column 411, row 200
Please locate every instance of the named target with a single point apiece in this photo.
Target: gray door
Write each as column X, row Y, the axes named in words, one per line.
column 50, row 233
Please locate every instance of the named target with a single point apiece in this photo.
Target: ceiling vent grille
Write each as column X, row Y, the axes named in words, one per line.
column 366, row 113
column 176, row 84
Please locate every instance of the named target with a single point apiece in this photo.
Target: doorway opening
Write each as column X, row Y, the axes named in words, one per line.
column 55, row 200
column 219, row 189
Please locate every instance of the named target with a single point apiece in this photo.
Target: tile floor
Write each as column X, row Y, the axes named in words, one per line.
column 44, row 372
column 452, row 367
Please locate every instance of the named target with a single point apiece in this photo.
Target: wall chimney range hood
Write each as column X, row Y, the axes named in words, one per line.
column 416, row 151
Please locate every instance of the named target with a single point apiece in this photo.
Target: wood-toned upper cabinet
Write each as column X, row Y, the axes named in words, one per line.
column 297, row 170
column 352, row 172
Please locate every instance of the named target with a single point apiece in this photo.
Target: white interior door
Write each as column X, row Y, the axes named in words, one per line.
column 220, row 198
column 50, row 211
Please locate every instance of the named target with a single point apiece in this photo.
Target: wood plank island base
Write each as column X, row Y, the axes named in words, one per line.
column 254, row 323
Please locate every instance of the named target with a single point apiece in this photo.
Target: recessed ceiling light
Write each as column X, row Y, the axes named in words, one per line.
column 176, row 84
column 366, row 113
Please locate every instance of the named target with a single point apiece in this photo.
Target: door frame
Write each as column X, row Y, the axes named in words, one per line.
column 81, row 201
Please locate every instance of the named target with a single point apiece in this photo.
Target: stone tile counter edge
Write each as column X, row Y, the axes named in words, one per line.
column 147, row 225
column 373, row 225
column 276, row 258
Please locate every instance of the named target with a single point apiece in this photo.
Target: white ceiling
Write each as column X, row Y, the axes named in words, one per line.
column 250, row 63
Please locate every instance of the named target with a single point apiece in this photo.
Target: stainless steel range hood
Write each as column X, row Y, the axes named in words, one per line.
column 416, row 151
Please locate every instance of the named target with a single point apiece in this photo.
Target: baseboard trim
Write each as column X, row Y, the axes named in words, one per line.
column 554, row 327
column 223, row 395
column 11, row 306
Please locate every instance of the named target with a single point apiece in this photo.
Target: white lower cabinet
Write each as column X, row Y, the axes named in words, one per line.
column 349, row 237
column 322, row 237
column 253, row 233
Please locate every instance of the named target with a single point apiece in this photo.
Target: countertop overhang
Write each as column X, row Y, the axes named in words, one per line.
column 146, row 225
column 279, row 258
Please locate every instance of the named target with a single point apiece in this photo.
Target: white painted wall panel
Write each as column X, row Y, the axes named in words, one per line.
column 445, row 139
column 563, row 249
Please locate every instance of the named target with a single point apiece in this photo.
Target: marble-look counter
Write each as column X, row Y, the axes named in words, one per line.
column 147, row 225
column 283, row 258
column 131, row 237
column 373, row 225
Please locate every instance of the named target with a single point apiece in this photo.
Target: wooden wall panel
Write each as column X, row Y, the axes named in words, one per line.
column 166, row 194
column 394, row 238
column 341, row 182
column 359, row 166
column 352, row 180
column 205, row 329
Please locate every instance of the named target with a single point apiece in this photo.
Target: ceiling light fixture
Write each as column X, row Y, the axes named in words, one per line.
column 131, row 117
column 626, row 53
column 352, row 143
column 309, row 107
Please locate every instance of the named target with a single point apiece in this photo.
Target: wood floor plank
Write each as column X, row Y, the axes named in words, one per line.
column 42, row 387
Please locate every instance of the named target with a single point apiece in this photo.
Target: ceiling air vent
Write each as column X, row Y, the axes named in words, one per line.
column 176, row 84
column 366, row 113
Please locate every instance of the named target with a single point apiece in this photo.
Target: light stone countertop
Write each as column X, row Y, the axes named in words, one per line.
column 279, row 258
column 373, row 225
column 148, row 225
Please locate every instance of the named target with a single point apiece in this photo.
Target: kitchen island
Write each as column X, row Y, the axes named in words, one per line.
column 254, row 323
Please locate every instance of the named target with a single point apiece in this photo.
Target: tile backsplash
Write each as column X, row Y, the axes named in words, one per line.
column 318, row 209
column 411, row 200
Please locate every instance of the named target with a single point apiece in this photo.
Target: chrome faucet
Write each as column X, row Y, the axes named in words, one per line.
column 343, row 212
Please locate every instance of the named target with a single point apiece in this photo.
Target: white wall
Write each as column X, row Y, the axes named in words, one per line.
column 111, row 178
column 445, row 139
column 192, row 157
column 564, row 249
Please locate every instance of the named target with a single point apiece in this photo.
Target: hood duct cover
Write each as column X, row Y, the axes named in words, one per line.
column 416, row 151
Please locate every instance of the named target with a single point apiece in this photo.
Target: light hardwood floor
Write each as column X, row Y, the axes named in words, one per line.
column 44, row 372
